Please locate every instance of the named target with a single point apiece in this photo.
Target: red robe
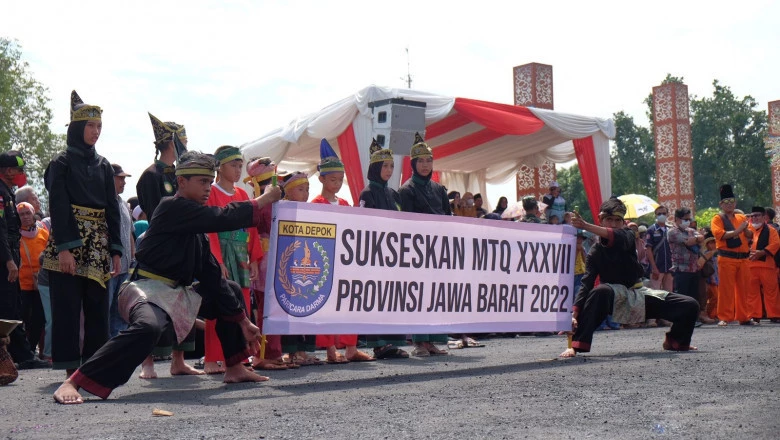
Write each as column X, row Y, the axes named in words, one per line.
column 218, row 197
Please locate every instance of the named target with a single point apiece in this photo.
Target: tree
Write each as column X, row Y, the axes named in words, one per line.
column 727, row 136
column 24, row 115
column 570, row 180
column 633, row 158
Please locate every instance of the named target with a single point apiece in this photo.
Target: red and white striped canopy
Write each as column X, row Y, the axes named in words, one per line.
column 485, row 140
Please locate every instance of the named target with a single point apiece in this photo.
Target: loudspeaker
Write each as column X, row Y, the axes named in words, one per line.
column 395, row 121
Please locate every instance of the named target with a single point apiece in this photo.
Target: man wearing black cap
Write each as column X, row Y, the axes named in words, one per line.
column 613, row 260
column 161, row 299
column 115, row 322
column 12, row 175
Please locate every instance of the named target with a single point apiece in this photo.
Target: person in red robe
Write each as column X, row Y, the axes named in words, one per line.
column 237, row 252
column 332, row 178
column 260, row 173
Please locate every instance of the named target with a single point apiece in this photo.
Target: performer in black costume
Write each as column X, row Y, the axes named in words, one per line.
column 85, row 239
column 159, row 180
column 614, row 260
column 12, row 175
column 378, row 195
column 174, row 253
column 421, row 194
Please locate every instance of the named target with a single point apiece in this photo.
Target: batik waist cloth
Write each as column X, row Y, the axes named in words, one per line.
column 180, row 303
column 628, row 306
column 235, row 255
column 93, row 257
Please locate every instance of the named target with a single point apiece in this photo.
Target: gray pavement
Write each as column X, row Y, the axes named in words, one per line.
column 627, row 388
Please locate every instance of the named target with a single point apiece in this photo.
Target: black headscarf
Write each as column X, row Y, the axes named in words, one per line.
column 416, row 174
column 76, row 137
column 375, row 173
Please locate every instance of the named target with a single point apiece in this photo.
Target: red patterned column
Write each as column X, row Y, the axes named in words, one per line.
column 673, row 154
column 534, row 88
column 773, row 144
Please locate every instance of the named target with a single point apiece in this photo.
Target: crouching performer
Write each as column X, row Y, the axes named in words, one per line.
column 614, row 260
column 160, row 296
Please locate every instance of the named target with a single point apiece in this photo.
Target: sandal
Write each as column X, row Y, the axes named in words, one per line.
column 723, row 324
column 435, row 351
column 361, row 357
column 390, row 351
column 420, row 351
column 471, row 343
column 339, row 359
column 307, row 361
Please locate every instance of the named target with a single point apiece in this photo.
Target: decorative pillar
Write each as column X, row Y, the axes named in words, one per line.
column 772, row 143
column 534, row 88
column 673, row 154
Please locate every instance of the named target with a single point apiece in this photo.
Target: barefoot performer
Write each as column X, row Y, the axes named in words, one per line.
column 160, row 295
column 614, row 260
column 237, row 252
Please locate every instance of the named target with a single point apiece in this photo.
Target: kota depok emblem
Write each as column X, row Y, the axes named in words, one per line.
column 304, row 273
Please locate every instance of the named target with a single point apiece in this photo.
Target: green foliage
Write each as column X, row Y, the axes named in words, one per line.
column 727, row 135
column 633, row 158
column 24, row 115
column 570, row 180
column 704, row 216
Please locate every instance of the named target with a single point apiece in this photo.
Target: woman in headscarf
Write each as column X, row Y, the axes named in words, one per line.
column 422, row 195
column 85, row 239
column 378, row 195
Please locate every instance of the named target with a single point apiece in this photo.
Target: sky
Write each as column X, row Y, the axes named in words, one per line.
column 232, row 71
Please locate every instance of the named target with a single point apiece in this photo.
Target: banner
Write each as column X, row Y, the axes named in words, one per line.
column 344, row 270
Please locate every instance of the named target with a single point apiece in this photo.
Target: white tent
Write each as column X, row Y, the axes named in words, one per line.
column 474, row 142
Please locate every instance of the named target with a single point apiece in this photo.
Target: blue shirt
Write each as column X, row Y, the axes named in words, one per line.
column 659, row 245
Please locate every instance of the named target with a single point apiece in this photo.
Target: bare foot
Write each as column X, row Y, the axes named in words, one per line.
column 68, row 394
column 569, row 353
column 213, row 368
column 182, row 369
column 147, row 369
column 266, row 364
column 237, row 373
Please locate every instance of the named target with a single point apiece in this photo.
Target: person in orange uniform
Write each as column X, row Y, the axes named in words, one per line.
column 332, row 178
column 237, row 252
column 731, row 239
column 763, row 271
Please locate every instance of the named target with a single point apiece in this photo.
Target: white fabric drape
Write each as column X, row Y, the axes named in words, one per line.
column 296, row 146
column 576, row 127
column 475, row 183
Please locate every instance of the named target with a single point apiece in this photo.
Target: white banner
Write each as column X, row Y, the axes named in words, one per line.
column 342, row 270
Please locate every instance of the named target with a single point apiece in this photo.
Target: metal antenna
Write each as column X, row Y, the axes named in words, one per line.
column 408, row 78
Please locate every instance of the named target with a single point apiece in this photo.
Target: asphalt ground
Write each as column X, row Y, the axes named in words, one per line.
column 626, row 388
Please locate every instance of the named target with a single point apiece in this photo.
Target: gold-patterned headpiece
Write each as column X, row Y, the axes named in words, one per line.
column 164, row 131
column 420, row 148
column 83, row 112
column 379, row 154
